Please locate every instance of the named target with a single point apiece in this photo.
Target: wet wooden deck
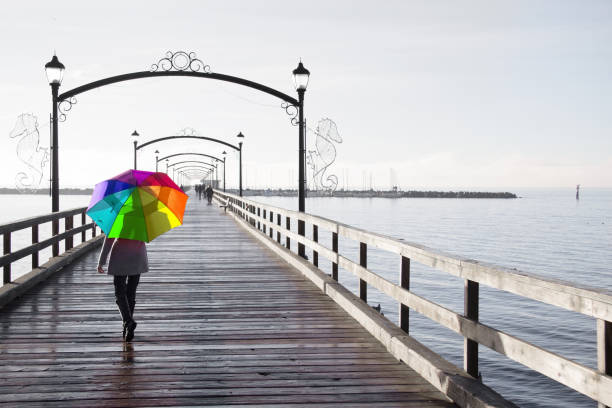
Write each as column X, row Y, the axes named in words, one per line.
column 221, row 322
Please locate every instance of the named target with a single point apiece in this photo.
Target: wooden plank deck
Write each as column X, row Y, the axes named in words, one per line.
column 221, row 322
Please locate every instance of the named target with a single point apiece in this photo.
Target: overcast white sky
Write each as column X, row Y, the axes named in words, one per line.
column 444, row 94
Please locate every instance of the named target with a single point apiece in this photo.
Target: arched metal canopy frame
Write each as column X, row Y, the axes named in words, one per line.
column 205, row 170
column 161, row 139
column 190, row 161
column 186, row 153
column 196, row 173
column 202, row 172
column 152, row 74
column 162, row 69
column 202, row 165
column 193, row 166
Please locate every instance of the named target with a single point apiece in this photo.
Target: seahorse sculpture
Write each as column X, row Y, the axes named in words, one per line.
column 324, row 155
column 29, row 152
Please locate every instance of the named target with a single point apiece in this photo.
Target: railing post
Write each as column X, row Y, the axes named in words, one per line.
column 335, row 249
column 34, row 241
column 265, row 216
column 272, row 222
column 259, row 215
column 404, row 311
column 54, row 232
column 7, row 250
column 302, row 232
column 288, row 227
column 68, row 223
column 470, row 347
column 83, row 221
column 604, row 349
column 315, row 238
column 363, row 261
column 278, row 234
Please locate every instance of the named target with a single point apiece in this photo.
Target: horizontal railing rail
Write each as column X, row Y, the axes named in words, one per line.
column 588, row 301
column 9, row 256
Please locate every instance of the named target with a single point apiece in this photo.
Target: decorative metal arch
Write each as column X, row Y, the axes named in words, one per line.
column 190, row 161
column 196, row 171
column 193, row 166
column 161, row 139
column 186, row 153
column 178, row 64
column 175, row 71
column 201, row 170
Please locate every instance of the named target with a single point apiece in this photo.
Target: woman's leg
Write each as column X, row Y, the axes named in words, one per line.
column 122, row 302
column 132, row 284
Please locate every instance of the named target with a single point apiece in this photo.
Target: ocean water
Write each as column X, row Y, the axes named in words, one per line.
column 545, row 232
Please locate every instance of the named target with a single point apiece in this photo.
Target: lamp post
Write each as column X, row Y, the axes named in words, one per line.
column 300, row 77
column 135, row 139
column 240, row 136
column 167, row 163
column 216, row 173
column 156, row 160
column 224, row 154
column 55, row 73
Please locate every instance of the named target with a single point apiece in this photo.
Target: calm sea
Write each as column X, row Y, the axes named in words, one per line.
column 545, row 232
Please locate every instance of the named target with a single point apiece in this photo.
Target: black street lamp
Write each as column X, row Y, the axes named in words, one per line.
column 224, row 154
column 240, row 136
column 156, row 160
column 55, row 73
column 135, row 139
column 300, row 78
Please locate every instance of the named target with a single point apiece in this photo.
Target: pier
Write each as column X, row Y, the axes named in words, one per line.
column 229, row 315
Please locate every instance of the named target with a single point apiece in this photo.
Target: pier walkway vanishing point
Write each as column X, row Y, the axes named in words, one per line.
column 222, row 321
column 229, row 315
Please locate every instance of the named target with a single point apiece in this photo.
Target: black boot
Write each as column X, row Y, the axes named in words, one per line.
column 132, row 303
column 128, row 323
column 128, row 329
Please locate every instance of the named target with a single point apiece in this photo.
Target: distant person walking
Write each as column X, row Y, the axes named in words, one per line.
column 209, row 193
column 128, row 259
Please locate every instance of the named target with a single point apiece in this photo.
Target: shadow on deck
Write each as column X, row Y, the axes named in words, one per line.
column 222, row 321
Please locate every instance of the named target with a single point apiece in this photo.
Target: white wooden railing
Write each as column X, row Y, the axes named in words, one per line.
column 276, row 223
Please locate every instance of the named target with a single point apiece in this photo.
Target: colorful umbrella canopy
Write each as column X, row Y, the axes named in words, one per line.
column 138, row 205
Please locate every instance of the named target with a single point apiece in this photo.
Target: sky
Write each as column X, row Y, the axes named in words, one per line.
column 446, row 95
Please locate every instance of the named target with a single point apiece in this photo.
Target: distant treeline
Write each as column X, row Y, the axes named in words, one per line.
column 383, row 194
column 42, row 191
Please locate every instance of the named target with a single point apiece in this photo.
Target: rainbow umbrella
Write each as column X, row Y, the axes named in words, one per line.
column 138, row 205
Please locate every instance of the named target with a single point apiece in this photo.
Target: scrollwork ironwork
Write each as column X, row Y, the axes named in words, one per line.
column 188, row 131
column 64, row 106
column 292, row 111
column 324, row 155
column 180, row 61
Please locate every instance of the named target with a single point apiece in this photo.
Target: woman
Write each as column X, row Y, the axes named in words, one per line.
column 128, row 259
